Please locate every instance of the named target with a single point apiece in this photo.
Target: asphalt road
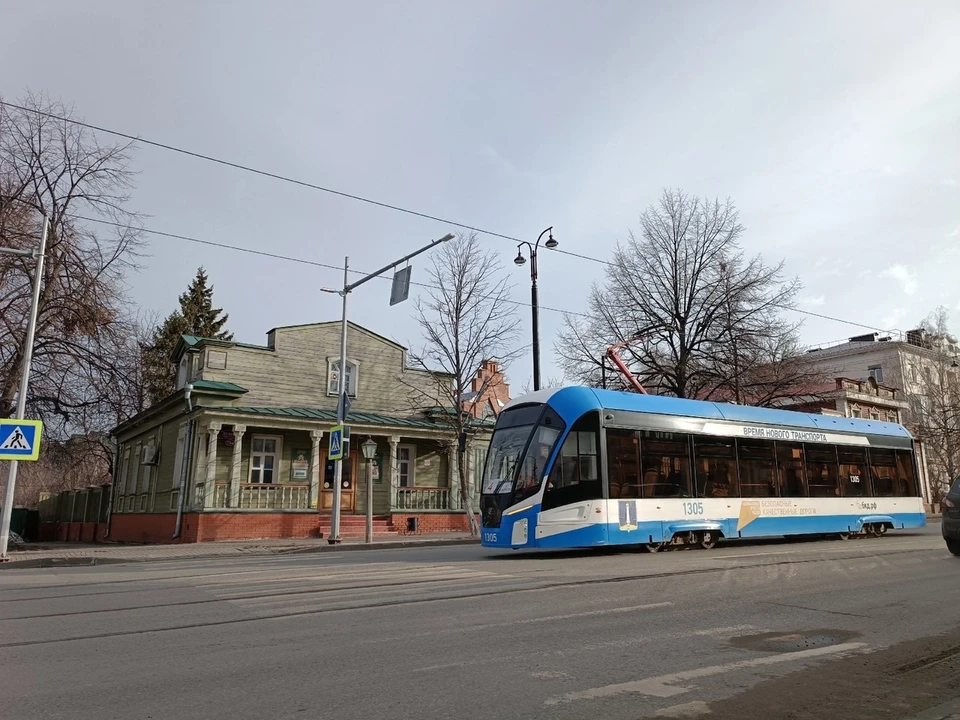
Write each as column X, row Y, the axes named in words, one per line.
column 863, row 628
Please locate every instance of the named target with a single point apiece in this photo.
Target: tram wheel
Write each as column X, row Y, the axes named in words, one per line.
column 654, row 547
column 872, row 530
column 708, row 540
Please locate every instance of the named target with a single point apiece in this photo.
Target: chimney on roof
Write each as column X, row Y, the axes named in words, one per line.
column 871, row 337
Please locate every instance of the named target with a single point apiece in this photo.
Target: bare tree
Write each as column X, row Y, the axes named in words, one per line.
column 54, row 168
column 551, row 382
column 466, row 318
column 937, row 406
column 703, row 320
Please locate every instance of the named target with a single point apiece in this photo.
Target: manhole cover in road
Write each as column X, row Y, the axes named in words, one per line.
column 793, row 641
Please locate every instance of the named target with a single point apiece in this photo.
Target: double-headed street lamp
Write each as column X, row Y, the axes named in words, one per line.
column 520, row 260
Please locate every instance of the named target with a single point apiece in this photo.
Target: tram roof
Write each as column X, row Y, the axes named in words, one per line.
column 584, row 398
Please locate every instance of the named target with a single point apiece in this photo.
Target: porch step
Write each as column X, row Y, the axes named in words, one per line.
column 350, row 534
column 354, row 526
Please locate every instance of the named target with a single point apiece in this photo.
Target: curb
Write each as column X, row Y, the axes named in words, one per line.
column 254, row 551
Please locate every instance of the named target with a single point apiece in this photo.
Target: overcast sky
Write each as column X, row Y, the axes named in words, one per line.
column 834, row 127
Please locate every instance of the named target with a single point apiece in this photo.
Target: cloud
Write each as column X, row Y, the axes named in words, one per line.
column 815, row 301
column 893, row 319
column 825, row 267
column 490, row 154
column 903, row 276
column 955, row 233
column 950, row 181
column 864, row 273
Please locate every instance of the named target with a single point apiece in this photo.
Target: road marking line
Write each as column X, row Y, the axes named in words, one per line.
column 666, row 685
column 723, row 630
column 696, row 708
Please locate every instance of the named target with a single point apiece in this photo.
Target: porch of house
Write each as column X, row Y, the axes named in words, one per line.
column 272, row 478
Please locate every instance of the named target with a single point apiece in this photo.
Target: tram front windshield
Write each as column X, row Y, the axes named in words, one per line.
column 519, row 451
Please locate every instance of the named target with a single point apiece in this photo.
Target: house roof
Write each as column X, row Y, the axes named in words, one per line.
column 189, row 342
column 359, row 418
column 353, row 418
column 217, row 386
column 350, row 323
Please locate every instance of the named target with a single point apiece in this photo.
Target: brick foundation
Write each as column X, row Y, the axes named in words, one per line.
column 252, row 526
column 157, row 528
column 435, row 522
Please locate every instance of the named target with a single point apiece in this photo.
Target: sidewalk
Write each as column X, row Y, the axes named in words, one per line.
column 59, row 554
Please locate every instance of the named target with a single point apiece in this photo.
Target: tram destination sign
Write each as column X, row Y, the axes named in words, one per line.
column 761, row 432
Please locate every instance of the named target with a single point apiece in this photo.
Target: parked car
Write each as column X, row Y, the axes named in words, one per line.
column 950, row 507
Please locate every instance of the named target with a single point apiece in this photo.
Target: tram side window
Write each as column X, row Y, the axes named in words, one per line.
column 716, row 463
column 665, row 462
column 575, row 476
column 790, row 467
column 854, row 480
column 758, row 468
column 822, row 470
column 623, row 463
column 883, row 468
column 908, row 480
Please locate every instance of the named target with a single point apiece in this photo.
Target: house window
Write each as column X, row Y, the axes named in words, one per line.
column 264, row 451
column 406, row 465
column 333, row 376
column 121, row 479
column 874, row 415
column 876, row 372
column 856, row 412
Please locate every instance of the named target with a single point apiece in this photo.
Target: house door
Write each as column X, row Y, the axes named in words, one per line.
column 348, row 484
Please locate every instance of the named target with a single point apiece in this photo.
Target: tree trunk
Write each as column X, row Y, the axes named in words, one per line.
column 467, row 496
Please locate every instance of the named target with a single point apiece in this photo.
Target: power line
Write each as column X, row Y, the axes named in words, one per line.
column 314, row 263
column 287, row 179
column 287, row 258
column 351, row 196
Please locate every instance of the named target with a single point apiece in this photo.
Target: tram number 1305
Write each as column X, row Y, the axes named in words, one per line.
column 693, row 508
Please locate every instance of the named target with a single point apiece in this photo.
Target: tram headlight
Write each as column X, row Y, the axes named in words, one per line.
column 519, row 536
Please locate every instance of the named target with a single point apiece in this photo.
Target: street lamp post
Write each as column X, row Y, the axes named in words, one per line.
column 27, row 351
column 343, row 390
column 369, row 448
column 520, row 260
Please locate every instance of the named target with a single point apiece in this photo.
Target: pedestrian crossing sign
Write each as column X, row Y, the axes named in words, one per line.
column 336, row 443
column 20, row 439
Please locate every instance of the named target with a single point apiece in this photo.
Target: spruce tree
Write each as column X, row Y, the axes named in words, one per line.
column 198, row 317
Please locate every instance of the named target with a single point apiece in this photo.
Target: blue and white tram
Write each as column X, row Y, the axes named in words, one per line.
column 579, row 467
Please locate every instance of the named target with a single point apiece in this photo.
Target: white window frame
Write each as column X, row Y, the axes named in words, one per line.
column 411, row 466
column 146, row 469
column 353, row 372
column 876, row 372
column 276, row 459
column 182, row 372
column 178, row 456
column 136, row 465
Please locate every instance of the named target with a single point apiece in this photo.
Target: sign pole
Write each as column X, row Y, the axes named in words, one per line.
column 343, row 391
column 342, row 387
column 7, row 515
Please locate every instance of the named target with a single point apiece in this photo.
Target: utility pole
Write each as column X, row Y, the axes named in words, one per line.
column 27, row 352
column 343, row 389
